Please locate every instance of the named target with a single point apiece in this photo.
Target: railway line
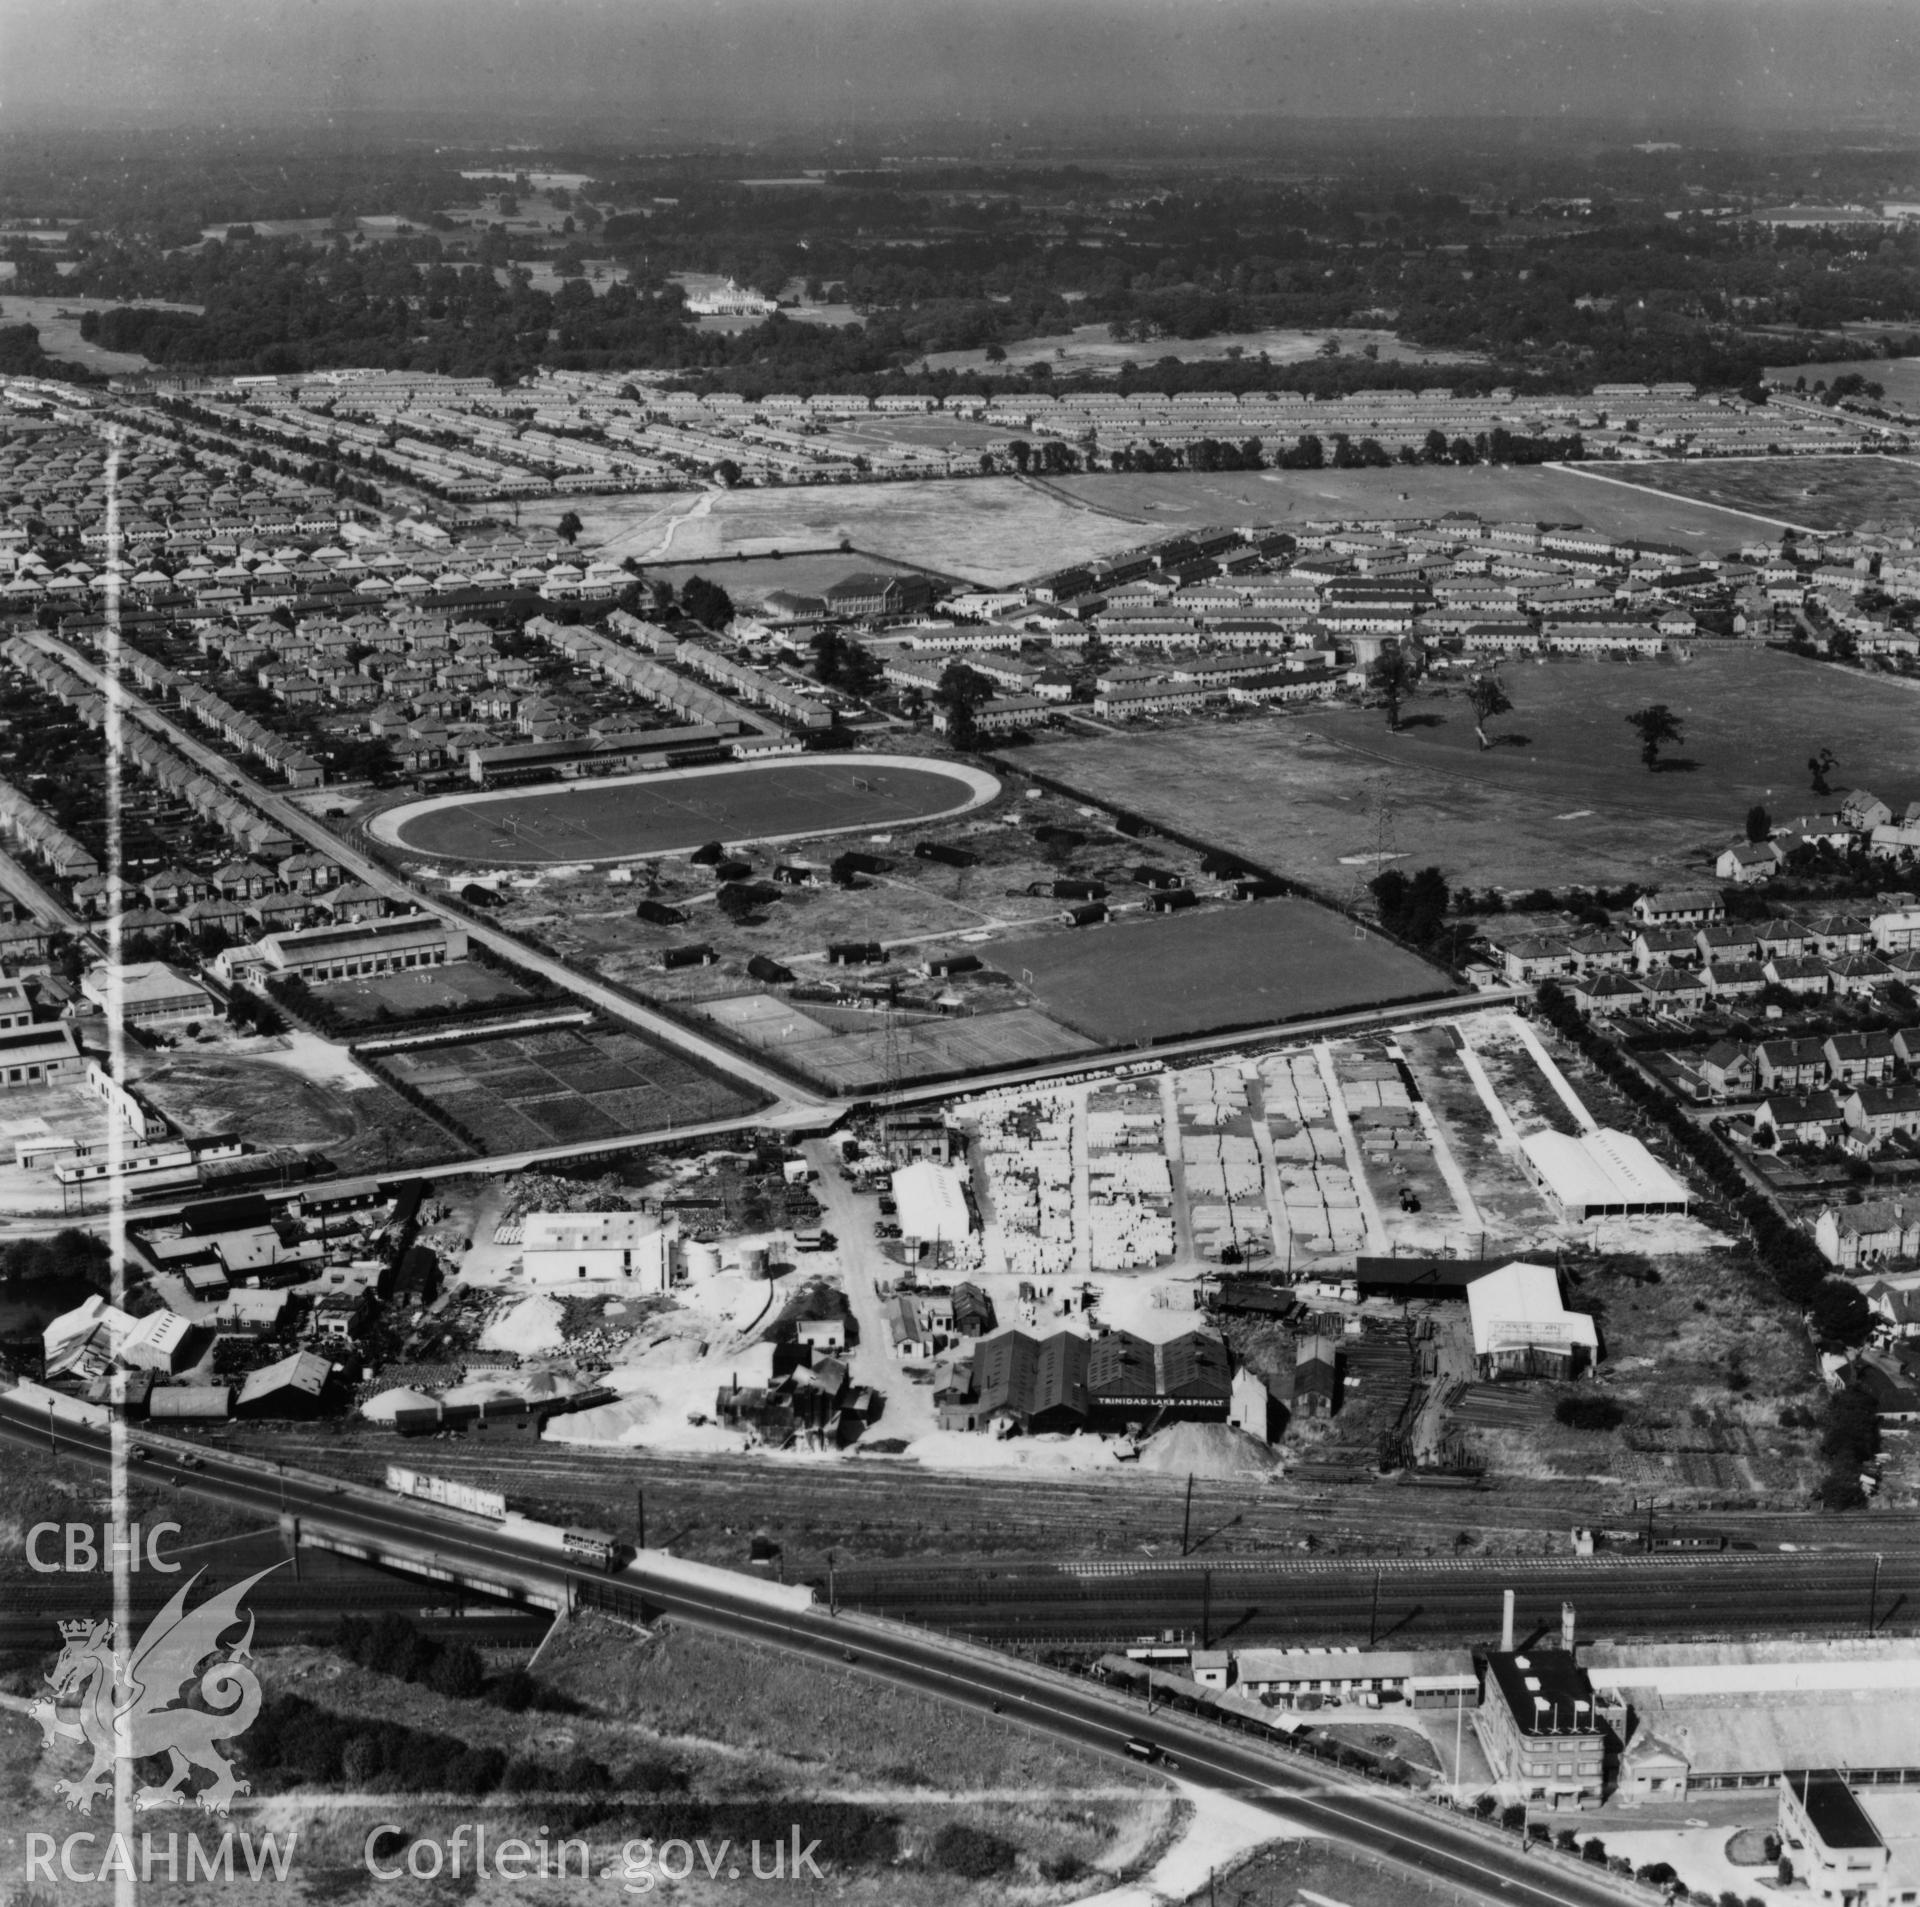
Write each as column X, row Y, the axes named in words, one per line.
column 861, row 1509
column 1401, row 1603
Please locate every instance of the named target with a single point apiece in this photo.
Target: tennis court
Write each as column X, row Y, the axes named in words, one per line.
column 632, row 817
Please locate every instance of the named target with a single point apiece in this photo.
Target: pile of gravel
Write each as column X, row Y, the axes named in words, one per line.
column 1207, row 1450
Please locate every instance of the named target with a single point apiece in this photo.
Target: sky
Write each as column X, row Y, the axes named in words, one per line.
column 737, row 68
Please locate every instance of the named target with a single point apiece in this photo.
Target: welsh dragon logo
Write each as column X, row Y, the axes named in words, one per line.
column 135, row 1705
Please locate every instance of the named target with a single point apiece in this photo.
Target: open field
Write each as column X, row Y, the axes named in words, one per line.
column 369, row 1128
column 634, row 816
column 564, row 1085
column 1087, row 349
column 1703, row 1358
column 1899, row 377
column 820, row 1044
column 1304, row 794
column 1555, row 494
column 991, row 530
column 58, row 322
column 997, row 530
column 406, row 994
column 1269, row 960
column 1817, row 493
column 750, row 580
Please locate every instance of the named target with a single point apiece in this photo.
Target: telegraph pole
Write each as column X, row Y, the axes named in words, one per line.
column 1186, row 1522
column 640, row 1515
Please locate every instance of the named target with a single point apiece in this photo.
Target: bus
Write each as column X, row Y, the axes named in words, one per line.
column 593, row 1547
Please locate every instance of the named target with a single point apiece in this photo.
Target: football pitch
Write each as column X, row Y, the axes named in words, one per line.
column 632, row 817
column 1192, row 973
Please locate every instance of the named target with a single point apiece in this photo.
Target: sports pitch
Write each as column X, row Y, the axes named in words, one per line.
column 1190, row 973
column 634, row 817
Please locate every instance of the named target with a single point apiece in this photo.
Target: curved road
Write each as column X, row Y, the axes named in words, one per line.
column 1428, row 1840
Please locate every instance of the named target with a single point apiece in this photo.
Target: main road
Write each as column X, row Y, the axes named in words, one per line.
column 1421, row 1838
column 792, row 1101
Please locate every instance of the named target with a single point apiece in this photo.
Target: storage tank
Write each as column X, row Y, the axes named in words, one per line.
column 753, row 1261
column 703, row 1260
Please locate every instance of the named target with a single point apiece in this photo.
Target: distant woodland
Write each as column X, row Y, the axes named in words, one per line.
column 1641, row 275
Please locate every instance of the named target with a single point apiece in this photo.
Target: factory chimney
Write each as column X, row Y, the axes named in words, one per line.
column 1506, row 1622
column 1566, row 1627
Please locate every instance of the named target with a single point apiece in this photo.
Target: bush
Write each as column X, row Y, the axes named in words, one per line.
column 972, row 1853
column 1513, row 1817
column 1656, row 1873
column 361, row 1760
column 456, row 1671
column 1589, row 1413
column 1594, row 1851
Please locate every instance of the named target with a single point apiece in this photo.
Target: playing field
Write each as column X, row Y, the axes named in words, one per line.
column 992, row 530
column 1176, row 500
column 856, row 1051
column 750, row 580
column 639, row 815
column 1189, row 973
column 1317, row 793
column 1814, row 493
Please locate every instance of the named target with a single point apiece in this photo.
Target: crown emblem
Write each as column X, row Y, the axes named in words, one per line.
column 76, row 1630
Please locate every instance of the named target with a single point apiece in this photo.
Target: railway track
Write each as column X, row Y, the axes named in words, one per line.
column 1406, row 1603
column 878, row 1511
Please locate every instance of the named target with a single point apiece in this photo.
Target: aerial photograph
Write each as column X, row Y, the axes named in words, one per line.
column 960, row 953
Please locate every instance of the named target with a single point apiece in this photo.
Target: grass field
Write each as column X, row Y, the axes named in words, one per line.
column 58, row 322
column 1305, row 794
column 999, row 530
column 1178, row 499
column 665, row 814
column 991, row 530
column 1815, row 493
column 1899, row 377
column 1272, row 960
column 565, row 1085
column 749, row 580
column 466, row 983
column 820, row 1044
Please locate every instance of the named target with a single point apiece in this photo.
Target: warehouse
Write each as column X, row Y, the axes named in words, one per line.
column 932, row 1204
column 1694, row 1716
column 1602, row 1174
column 1522, row 1329
column 342, row 953
column 631, row 1248
column 1067, row 1383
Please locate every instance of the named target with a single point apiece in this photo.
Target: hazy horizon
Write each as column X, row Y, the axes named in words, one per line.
column 754, row 68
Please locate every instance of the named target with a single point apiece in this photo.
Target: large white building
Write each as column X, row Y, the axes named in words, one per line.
column 932, row 1204
column 1602, row 1174
column 145, row 993
column 629, row 1248
column 1520, row 1325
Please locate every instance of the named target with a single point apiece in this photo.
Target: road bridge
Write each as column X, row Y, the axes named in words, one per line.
column 1432, row 1842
